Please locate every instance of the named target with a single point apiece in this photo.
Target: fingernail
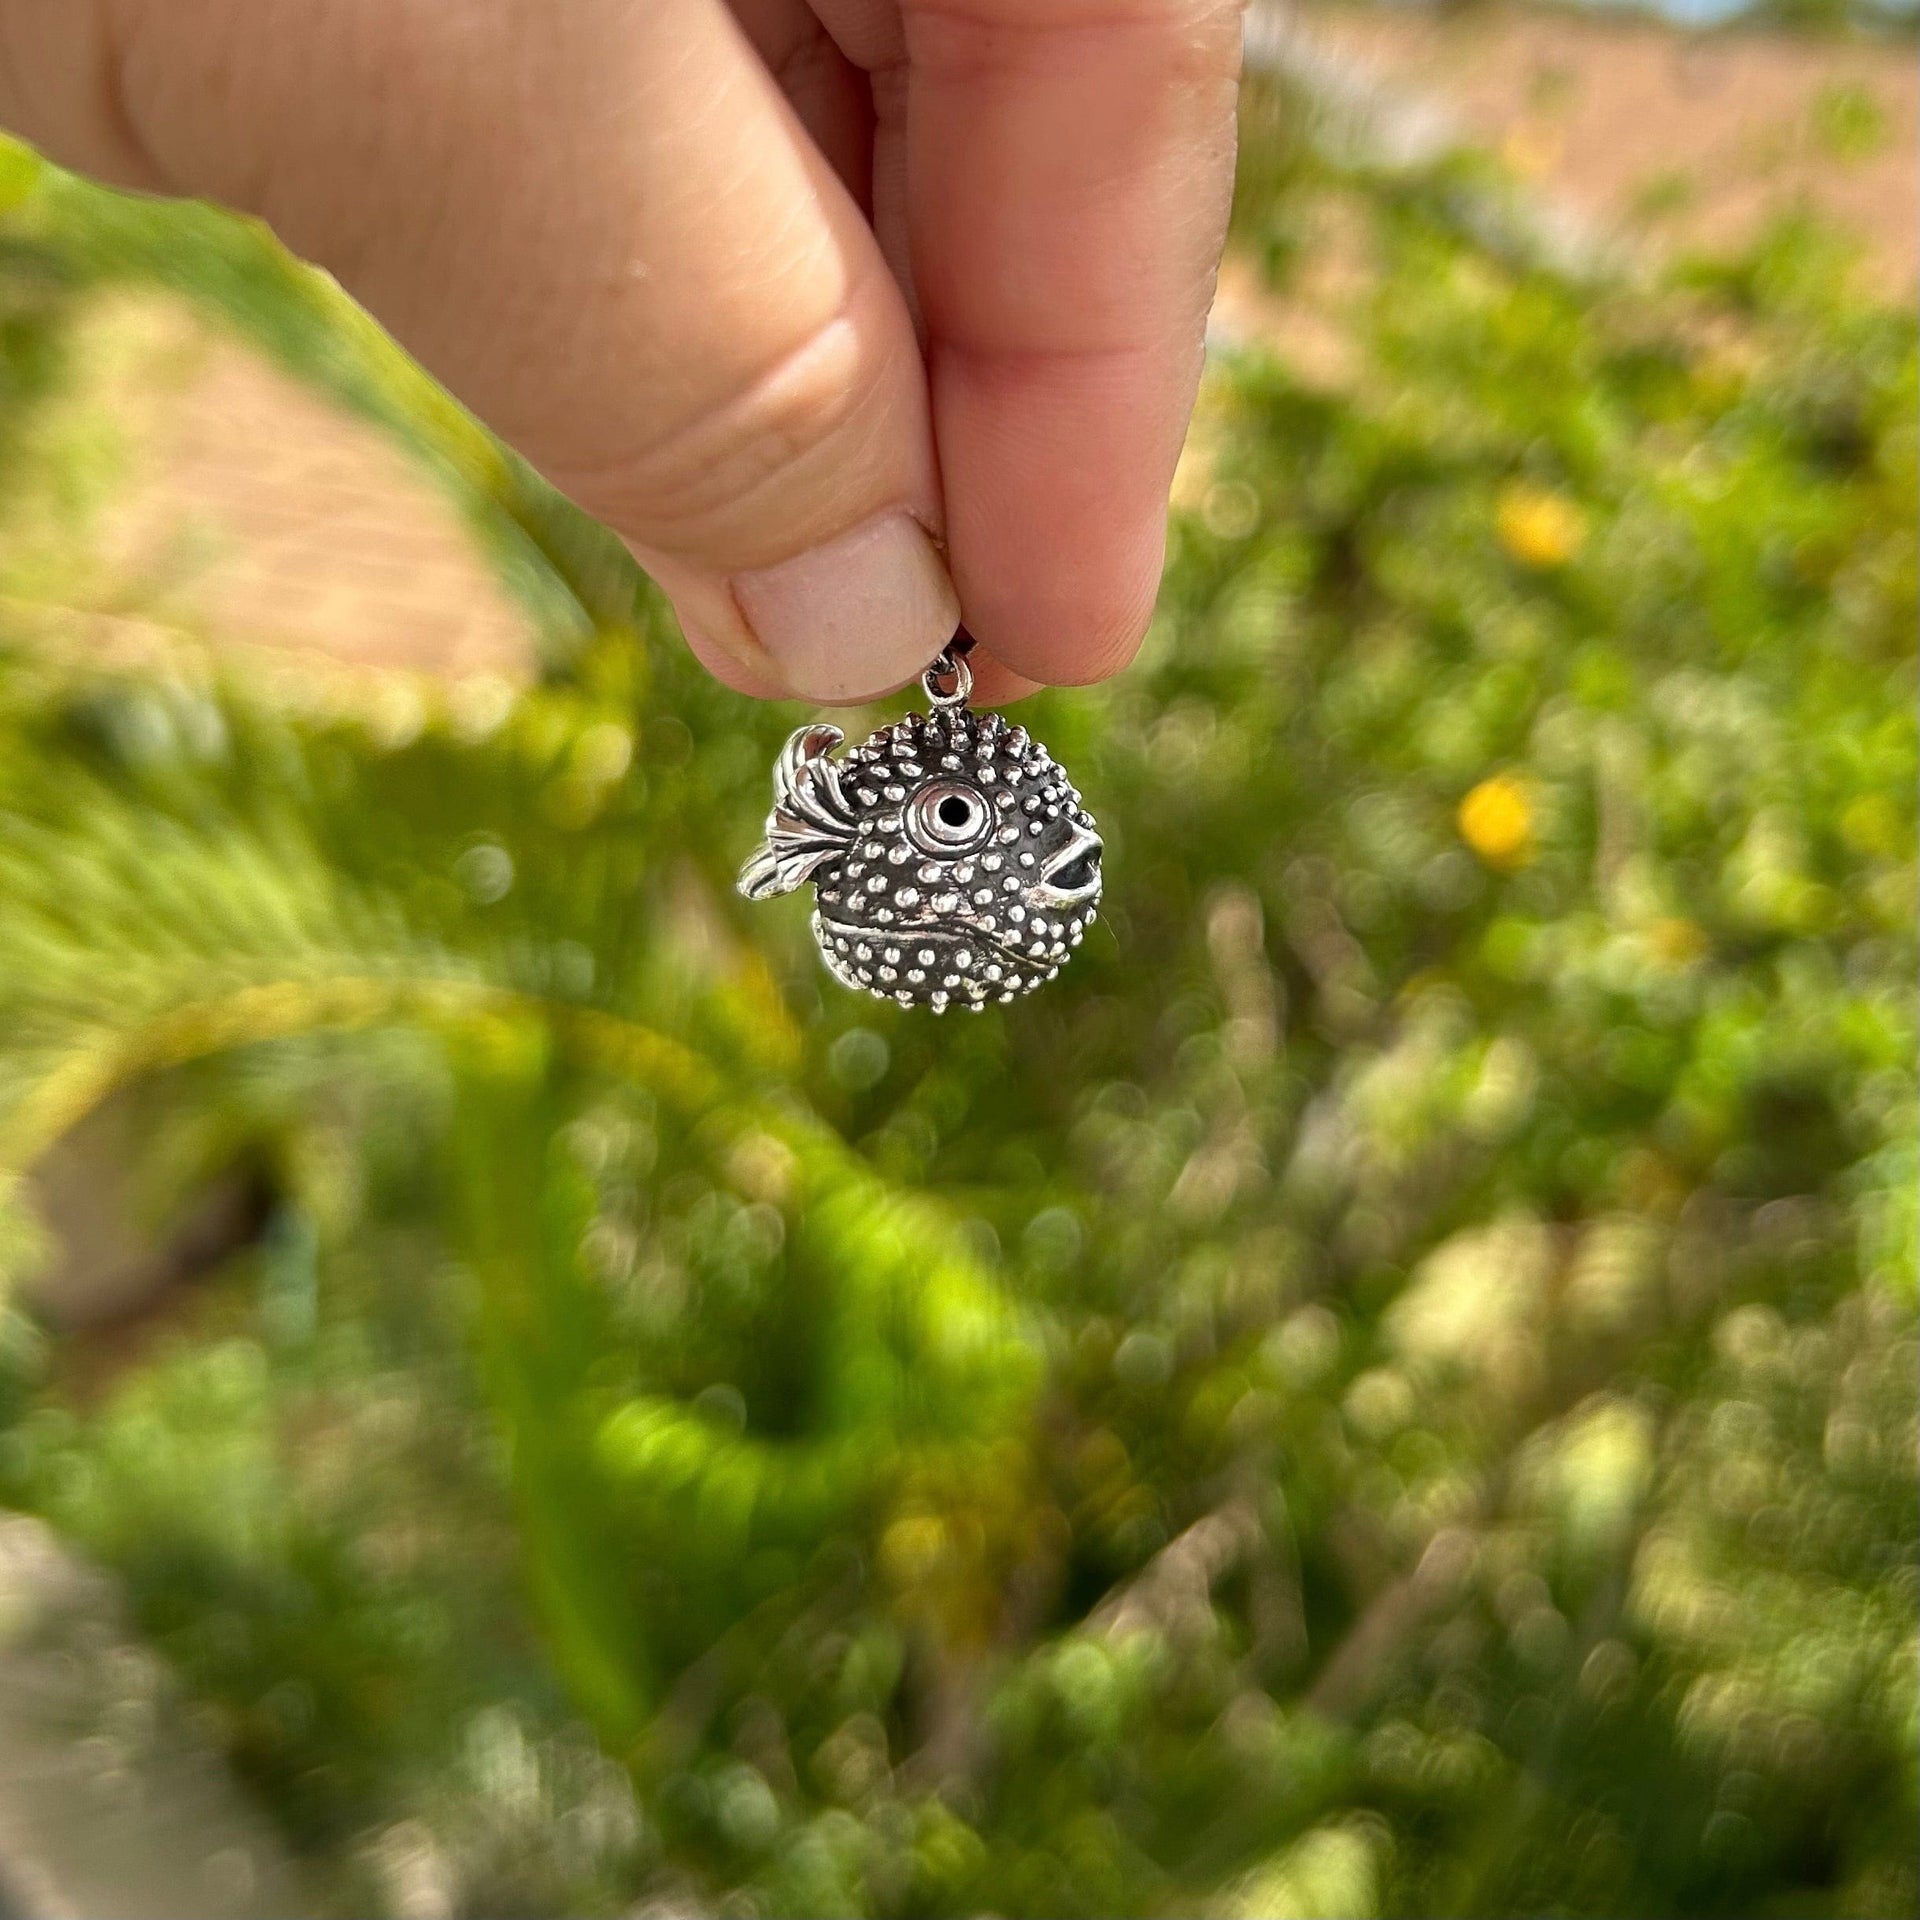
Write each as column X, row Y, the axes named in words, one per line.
column 857, row 616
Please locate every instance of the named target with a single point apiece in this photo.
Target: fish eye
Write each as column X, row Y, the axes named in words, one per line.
column 948, row 817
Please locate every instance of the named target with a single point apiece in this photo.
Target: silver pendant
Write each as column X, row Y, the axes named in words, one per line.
column 952, row 862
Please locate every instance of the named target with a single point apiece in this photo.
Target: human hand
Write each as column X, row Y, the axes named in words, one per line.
column 829, row 307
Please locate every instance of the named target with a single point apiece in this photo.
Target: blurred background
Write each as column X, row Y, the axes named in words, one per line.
column 1389, row 1389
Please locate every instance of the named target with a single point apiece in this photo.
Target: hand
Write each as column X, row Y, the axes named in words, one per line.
column 829, row 309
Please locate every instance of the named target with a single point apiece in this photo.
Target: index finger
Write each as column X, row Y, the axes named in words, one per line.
column 1069, row 167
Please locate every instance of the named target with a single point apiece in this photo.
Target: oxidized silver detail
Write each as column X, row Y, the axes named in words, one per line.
column 951, row 859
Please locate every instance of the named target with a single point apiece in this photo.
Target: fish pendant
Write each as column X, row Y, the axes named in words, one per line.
column 951, row 860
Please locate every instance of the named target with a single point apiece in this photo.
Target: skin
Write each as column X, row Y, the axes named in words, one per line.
column 850, row 316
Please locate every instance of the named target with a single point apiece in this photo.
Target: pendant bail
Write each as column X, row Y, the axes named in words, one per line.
column 956, row 671
column 951, row 666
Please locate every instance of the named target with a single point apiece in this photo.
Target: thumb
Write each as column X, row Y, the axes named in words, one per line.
column 602, row 226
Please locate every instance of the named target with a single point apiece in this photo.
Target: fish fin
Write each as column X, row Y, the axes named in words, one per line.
column 812, row 820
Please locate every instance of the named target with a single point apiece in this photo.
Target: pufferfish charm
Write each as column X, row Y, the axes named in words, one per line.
column 951, row 859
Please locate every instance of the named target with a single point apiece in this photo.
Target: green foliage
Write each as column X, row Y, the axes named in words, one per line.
column 1389, row 1389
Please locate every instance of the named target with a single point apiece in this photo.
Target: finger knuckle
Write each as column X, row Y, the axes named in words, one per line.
column 798, row 406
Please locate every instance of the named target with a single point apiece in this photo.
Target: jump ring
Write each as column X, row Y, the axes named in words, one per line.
column 951, row 665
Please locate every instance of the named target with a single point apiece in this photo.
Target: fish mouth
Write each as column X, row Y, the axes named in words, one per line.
column 1073, row 874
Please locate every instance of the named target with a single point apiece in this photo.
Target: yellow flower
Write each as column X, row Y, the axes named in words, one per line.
column 1677, row 942
column 913, row 1546
column 1496, row 821
column 1539, row 528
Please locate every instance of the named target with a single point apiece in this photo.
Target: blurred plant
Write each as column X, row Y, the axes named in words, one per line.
column 1390, row 1391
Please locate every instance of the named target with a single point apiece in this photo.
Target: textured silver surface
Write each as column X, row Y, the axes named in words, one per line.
column 951, row 859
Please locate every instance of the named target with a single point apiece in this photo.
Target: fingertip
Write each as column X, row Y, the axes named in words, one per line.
column 997, row 685
column 1057, row 473
column 731, row 671
column 856, row 617
column 1070, row 616
column 719, row 636
column 711, row 625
